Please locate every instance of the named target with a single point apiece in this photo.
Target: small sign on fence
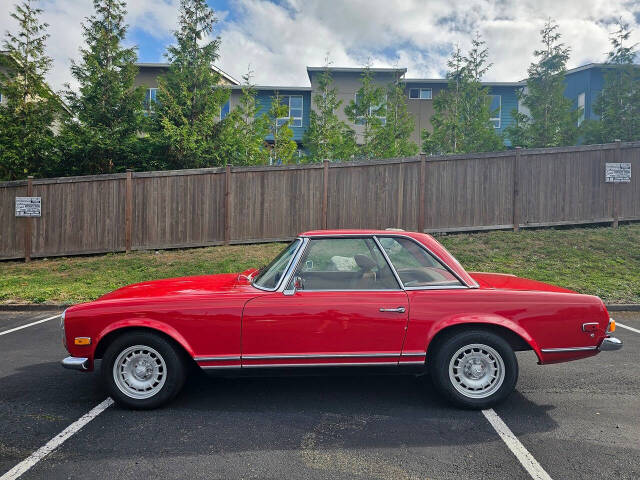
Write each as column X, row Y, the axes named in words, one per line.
column 28, row 206
column 617, row 173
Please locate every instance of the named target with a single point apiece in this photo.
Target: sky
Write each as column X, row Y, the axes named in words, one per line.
column 278, row 39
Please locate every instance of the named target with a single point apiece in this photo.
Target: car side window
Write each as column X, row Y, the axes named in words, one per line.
column 415, row 266
column 344, row 264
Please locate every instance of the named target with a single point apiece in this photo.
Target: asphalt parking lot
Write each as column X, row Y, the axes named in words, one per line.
column 577, row 420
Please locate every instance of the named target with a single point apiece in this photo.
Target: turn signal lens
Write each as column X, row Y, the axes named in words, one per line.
column 612, row 326
column 82, row 341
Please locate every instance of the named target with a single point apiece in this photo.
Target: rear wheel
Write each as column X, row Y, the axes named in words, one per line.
column 142, row 370
column 474, row 369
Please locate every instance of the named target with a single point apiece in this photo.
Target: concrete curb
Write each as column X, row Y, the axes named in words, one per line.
column 39, row 307
column 32, row 307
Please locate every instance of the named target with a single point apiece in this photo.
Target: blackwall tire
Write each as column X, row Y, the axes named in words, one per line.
column 474, row 369
column 142, row 370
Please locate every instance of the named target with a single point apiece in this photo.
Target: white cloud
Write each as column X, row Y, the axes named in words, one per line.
column 279, row 40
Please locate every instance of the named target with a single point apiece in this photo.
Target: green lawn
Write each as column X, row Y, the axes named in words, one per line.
column 599, row 261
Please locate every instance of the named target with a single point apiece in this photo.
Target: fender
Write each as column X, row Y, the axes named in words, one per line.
column 486, row 319
column 146, row 323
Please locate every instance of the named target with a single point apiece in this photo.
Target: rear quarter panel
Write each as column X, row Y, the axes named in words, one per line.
column 543, row 319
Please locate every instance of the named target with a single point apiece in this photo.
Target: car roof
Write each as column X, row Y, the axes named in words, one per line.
column 427, row 240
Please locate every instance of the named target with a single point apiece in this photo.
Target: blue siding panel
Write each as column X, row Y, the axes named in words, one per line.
column 263, row 99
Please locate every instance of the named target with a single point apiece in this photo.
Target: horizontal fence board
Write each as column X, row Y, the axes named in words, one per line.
column 188, row 208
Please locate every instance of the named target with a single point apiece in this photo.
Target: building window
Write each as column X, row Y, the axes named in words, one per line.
column 581, row 108
column 150, row 100
column 372, row 111
column 224, row 110
column 495, row 110
column 420, row 93
column 294, row 102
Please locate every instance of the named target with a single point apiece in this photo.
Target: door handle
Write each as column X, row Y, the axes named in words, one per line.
column 394, row 310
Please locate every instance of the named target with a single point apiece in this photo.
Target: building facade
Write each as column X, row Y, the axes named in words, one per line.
column 583, row 85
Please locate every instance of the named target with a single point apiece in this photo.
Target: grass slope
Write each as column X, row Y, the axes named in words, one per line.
column 598, row 261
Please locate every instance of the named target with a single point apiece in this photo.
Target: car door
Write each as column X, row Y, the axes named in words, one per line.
column 347, row 308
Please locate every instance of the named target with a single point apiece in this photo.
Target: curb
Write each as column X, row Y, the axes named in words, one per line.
column 32, row 307
column 39, row 307
column 621, row 307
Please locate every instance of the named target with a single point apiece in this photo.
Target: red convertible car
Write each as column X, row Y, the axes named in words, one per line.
column 337, row 300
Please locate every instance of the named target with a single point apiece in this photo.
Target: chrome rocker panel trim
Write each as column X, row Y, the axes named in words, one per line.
column 568, row 349
column 76, row 363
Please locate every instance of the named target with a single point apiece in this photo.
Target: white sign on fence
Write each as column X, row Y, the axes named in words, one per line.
column 617, row 173
column 28, row 206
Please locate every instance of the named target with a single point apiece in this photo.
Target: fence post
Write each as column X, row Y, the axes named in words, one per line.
column 421, row 194
column 614, row 193
column 516, row 190
column 325, row 192
column 227, row 205
column 28, row 224
column 128, row 212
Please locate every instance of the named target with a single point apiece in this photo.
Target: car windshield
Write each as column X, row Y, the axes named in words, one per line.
column 270, row 276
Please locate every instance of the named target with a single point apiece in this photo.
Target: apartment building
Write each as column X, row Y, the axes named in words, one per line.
column 583, row 85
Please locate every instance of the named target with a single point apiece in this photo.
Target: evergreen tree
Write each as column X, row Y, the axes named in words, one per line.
column 190, row 96
column 242, row 132
column 284, row 147
column 328, row 137
column 618, row 104
column 551, row 121
column 103, row 136
column 368, row 109
column 27, row 143
column 393, row 139
column 461, row 122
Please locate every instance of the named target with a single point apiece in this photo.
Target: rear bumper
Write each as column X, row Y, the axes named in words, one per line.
column 609, row 344
column 76, row 363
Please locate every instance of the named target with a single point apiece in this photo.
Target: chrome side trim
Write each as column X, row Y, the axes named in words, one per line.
column 76, row 363
column 217, row 367
column 306, row 356
column 568, row 349
column 422, row 354
column 213, row 359
column 350, row 364
column 413, row 362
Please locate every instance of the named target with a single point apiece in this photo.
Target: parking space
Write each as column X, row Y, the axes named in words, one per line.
column 578, row 420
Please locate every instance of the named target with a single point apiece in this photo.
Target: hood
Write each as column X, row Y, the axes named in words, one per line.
column 506, row 281
column 201, row 284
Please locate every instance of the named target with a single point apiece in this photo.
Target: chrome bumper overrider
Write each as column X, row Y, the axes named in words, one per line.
column 76, row 363
column 610, row 343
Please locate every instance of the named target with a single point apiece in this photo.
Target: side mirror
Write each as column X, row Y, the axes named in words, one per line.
column 296, row 285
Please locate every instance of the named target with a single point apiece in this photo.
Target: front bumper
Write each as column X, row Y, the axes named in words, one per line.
column 76, row 363
column 609, row 344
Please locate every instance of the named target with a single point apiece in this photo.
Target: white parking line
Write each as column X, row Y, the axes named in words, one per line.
column 529, row 463
column 618, row 324
column 56, row 441
column 29, row 325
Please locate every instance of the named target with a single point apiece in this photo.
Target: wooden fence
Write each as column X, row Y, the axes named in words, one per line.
column 186, row 208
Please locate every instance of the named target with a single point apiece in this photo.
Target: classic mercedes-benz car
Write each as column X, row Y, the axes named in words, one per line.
column 336, row 300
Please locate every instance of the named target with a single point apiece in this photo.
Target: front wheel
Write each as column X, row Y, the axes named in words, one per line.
column 142, row 370
column 474, row 369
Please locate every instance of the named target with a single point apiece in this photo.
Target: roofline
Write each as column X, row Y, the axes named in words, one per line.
column 273, row 87
column 596, row 65
column 444, row 80
column 357, row 69
column 167, row 65
column 66, row 107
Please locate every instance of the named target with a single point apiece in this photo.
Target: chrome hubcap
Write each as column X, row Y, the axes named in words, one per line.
column 476, row 370
column 139, row 372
